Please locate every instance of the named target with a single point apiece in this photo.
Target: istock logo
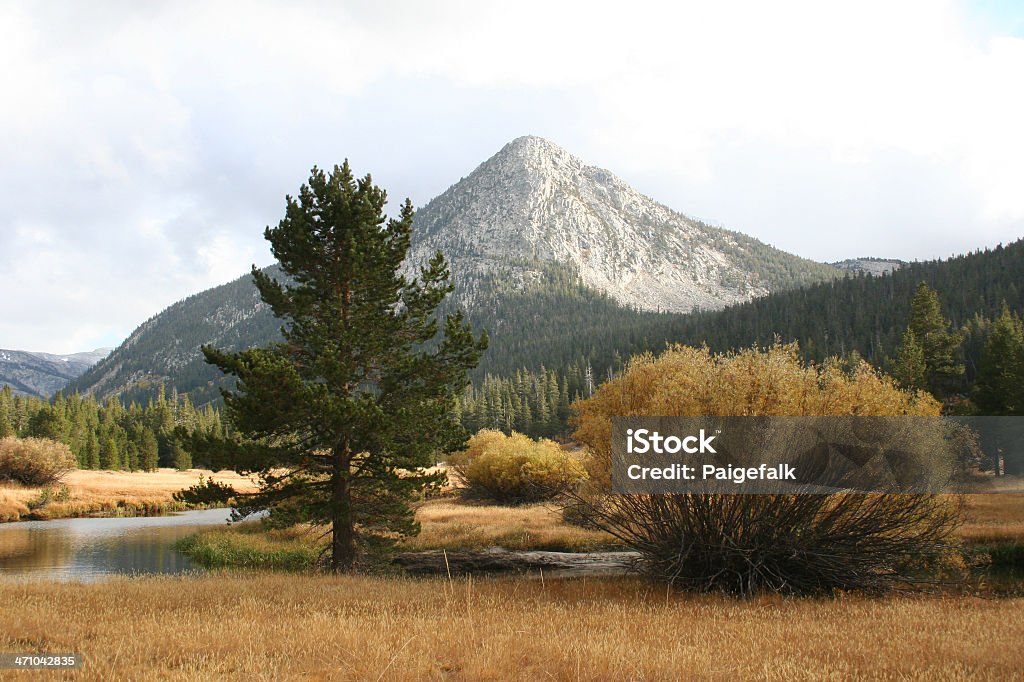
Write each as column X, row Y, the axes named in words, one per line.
column 642, row 441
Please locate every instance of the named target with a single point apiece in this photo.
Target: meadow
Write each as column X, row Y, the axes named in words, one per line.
column 87, row 492
column 266, row 626
column 257, row 624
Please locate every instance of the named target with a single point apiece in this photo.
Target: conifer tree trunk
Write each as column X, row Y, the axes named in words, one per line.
column 343, row 544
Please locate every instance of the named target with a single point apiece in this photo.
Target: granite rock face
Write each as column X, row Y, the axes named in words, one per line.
column 533, row 201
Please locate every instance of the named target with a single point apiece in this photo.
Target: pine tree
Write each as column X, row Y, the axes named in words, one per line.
column 909, row 368
column 109, row 454
column 345, row 413
column 999, row 389
column 149, row 450
column 180, row 457
column 6, row 404
column 938, row 345
column 91, row 456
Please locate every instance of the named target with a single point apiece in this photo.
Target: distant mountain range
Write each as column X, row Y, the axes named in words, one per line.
column 43, row 374
column 543, row 249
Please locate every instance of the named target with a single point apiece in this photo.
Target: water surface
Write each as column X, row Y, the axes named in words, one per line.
column 90, row 548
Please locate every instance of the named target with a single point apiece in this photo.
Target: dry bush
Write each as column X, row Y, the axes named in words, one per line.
column 744, row 544
column 34, row 461
column 516, row 468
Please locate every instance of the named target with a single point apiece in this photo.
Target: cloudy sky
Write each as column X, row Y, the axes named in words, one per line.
column 145, row 145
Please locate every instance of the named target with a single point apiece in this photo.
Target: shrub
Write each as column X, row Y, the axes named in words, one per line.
column 476, row 446
column 34, row 461
column 750, row 543
column 515, row 469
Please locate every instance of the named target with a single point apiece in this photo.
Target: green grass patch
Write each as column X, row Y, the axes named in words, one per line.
column 1004, row 555
column 252, row 546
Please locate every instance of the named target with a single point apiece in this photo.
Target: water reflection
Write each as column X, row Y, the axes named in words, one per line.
column 85, row 549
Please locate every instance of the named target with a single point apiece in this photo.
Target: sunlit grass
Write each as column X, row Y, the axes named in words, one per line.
column 447, row 524
column 108, row 493
column 252, row 546
column 289, row 627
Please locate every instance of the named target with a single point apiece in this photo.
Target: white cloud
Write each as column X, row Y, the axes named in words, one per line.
column 151, row 142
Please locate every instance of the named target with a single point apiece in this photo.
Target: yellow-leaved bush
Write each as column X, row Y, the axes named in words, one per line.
column 34, row 461
column 516, row 468
column 691, row 382
column 802, row 544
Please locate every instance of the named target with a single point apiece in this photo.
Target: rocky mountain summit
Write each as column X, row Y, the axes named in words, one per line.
column 544, row 250
column 870, row 266
column 534, row 202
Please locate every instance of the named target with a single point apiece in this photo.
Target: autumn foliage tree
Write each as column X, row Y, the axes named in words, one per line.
column 747, row 543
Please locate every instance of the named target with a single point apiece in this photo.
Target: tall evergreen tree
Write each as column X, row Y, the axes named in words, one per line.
column 909, row 368
column 999, row 389
column 346, row 412
column 939, row 345
column 149, row 450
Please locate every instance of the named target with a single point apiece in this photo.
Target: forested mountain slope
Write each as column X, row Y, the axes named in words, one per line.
column 43, row 374
column 554, row 258
column 166, row 347
column 865, row 313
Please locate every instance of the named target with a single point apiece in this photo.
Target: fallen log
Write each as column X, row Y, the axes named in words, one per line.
column 498, row 560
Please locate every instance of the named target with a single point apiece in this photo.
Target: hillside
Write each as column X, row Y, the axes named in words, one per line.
column 43, row 374
column 865, row 313
column 166, row 347
column 869, row 266
column 554, row 258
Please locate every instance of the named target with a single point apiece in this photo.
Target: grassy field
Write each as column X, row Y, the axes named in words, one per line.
column 106, row 492
column 281, row 627
column 445, row 524
column 992, row 523
column 993, row 517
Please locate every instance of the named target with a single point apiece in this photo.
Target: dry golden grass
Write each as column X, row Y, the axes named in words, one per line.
column 445, row 524
column 277, row 627
column 993, row 517
column 100, row 492
column 451, row 524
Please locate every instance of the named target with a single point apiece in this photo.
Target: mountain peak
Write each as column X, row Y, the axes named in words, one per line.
column 533, row 144
column 533, row 202
column 531, row 155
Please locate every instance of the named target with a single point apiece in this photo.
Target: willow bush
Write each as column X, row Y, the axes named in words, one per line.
column 743, row 544
column 34, row 461
column 517, row 469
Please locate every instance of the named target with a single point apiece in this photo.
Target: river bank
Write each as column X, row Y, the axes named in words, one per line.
column 106, row 493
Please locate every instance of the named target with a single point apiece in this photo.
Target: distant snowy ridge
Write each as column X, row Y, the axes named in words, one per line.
column 43, row 374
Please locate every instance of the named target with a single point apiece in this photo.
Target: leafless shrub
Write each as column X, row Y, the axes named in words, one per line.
column 801, row 544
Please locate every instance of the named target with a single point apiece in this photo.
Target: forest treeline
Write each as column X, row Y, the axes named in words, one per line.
column 558, row 322
column 109, row 435
column 554, row 341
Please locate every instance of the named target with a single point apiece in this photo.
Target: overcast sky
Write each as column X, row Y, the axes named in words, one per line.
column 146, row 145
